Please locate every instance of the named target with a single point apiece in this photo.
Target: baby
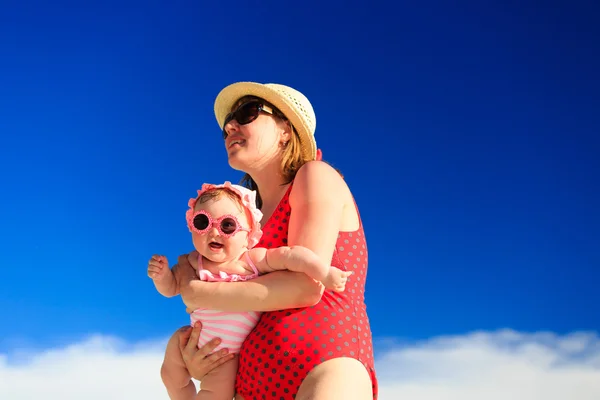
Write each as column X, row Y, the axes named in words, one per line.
column 225, row 226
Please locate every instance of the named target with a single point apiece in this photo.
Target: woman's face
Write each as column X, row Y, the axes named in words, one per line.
column 253, row 145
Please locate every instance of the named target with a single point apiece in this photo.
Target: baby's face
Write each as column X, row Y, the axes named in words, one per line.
column 226, row 215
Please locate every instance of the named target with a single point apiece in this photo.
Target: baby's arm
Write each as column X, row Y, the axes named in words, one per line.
column 162, row 276
column 299, row 259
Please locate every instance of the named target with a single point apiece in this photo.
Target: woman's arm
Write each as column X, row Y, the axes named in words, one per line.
column 274, row 291
column 317, row 201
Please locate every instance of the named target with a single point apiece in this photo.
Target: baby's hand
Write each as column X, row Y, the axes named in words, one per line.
column 158, row 267
column 336, row 279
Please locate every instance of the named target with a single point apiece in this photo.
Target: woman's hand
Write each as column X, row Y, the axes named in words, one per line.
column 200, row 361
column 184, row 271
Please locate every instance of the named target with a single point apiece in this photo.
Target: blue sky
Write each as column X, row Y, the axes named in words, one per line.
column 468, row 134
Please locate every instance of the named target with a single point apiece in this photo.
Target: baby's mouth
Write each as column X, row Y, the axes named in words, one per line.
column 215, row 246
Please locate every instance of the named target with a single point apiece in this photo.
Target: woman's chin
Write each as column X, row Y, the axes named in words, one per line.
column 236, row 163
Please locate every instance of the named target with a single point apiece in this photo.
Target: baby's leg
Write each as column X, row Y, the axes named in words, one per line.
column 219, row 384
column 174, row 374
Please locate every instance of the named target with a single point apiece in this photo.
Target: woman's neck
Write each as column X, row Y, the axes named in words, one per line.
column 270, row 183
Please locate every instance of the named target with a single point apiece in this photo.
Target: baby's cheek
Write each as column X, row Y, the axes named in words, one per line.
column 236, row 243
column 197, row 242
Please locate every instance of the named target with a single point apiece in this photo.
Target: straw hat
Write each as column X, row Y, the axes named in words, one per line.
column 293, row 104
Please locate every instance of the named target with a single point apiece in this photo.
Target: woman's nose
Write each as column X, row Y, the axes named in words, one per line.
column 232, row 126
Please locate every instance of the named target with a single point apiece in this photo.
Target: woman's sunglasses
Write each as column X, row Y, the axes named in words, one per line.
column 227, row 225
column 246, row 113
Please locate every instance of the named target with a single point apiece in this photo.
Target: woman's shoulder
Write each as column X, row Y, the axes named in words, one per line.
column 319, row 181
column 318, row 175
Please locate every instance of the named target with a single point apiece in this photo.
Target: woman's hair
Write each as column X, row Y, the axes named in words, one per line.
column 292, row 158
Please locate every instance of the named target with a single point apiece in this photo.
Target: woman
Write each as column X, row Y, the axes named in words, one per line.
column 309, row 344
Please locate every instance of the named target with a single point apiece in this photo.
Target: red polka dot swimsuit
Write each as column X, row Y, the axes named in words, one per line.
column 285, row 345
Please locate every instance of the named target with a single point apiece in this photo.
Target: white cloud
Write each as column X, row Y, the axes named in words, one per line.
column 504, row 365
column 100, row 367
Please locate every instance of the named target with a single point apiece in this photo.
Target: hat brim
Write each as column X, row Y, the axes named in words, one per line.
column 232, row 93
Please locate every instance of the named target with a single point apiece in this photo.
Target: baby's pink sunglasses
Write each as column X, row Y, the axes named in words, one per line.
column 227, row 225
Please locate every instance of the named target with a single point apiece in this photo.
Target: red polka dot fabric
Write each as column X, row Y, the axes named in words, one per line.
column 285, row 345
